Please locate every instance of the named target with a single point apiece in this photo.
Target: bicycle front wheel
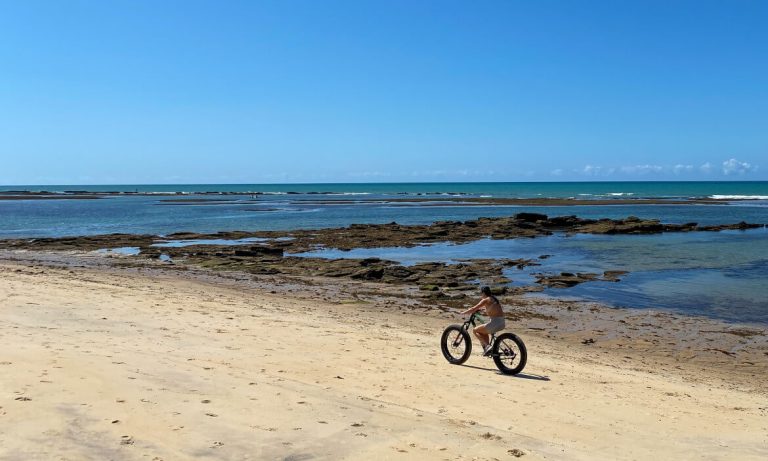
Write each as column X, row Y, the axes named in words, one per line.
column 509, row 354
column 455, row 344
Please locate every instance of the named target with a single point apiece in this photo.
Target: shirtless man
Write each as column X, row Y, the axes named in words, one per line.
column 493, row 309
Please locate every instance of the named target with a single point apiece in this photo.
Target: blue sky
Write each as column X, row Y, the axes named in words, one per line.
column 358, row 91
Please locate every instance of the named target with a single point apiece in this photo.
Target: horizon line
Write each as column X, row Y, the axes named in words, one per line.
column 379, row 182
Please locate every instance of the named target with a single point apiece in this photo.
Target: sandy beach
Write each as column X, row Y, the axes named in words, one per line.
column 271, row 231
column 110, row 362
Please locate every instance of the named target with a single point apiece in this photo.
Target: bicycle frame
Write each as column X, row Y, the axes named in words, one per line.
column 472, row 321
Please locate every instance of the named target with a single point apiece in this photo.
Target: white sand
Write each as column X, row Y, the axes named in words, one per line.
column 109, row 365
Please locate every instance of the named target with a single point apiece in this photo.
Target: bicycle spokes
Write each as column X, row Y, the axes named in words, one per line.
column 507, row 351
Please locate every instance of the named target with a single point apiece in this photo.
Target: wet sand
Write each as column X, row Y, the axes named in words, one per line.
column 108, row 359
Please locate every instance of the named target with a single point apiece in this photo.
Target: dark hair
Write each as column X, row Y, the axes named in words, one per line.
column 487, row 292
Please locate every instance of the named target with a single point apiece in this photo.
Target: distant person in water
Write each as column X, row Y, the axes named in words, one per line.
column 493, row 309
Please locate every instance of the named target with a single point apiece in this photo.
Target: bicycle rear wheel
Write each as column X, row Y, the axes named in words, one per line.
column 455, row 344
column 509, row 354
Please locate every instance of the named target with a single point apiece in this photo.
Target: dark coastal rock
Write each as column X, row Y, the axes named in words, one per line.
column 531, row 217
column 738, row 226
column 563, row 221
column 569, row 279
column 613, row 276
column 565, row 279
column 392, row 234
column 261, row 270
column 634, row 226
column 84, row 243
column 260, row 251
column 499, row 290
column 526, row 225
column 372, row 273
column 398, row 274
column 371, row 261
column 687, row 227
column 274, row 255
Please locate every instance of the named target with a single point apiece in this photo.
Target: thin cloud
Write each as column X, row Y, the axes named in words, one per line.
column 642, row 169
column 733, row 166
column 448, row 174
column 592, row 170
column 368, row 174
column 677, row 169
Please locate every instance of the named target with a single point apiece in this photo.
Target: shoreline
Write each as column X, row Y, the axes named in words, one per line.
column 290, row 252
column 447, row 282
column 154, row 360
column 682, row 341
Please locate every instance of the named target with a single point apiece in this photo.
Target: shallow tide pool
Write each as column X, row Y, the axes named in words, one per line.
column 715, row 274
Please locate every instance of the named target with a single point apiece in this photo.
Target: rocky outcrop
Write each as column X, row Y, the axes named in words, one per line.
column 521, row 225
column 568, row 279
column 273, row 256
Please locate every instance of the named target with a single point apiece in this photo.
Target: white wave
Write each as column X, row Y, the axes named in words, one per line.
column 739, row 197
column 619, row 194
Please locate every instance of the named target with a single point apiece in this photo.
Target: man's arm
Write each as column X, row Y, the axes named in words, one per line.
column 476, row 307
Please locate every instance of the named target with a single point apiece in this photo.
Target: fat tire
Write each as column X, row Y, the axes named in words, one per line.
column 523, row 353
column 445, row 347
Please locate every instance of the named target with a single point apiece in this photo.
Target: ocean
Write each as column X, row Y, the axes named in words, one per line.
column 651, row 189
column 719, row 275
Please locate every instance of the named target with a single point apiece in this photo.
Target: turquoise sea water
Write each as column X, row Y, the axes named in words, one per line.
column 661, row 189
column 294, row 206
column 715, row 274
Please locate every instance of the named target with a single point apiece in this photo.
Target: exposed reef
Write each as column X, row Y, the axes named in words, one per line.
column 274, row 253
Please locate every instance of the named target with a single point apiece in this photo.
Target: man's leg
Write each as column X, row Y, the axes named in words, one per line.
column 482, row 335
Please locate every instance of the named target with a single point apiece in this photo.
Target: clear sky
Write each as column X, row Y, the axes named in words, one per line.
column 96, row 92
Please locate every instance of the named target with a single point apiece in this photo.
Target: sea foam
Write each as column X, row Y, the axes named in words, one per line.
column 739, row 197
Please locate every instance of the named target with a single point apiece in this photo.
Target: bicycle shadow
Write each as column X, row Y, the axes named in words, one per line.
column 532, row 376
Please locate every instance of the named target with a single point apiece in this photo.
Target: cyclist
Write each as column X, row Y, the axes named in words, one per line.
column 493, row 309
